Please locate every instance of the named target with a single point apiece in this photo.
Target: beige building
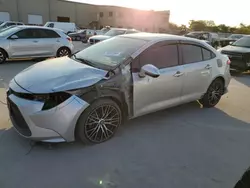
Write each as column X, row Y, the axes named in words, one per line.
column 85, row 15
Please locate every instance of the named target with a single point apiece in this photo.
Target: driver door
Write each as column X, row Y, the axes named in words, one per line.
column 152, row 94
column 26, row 45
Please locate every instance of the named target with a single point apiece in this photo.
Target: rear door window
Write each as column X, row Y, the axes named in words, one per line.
column 45, row 33
column 191, row 53
column 207, row 54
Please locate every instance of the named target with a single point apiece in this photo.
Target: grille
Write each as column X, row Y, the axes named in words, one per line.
column 18, row 121
column 233, row 55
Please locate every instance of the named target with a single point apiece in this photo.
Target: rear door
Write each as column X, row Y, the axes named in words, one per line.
column 26, row 45
column 152, row 94
column 49, row 42
column 197, row 66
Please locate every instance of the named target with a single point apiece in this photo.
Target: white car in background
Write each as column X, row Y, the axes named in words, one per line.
column 67, row 27
column 33, row 42
column 111, row 33
column 6, row 24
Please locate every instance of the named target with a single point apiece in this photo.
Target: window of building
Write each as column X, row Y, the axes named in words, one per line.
column 191, row 53
column 63, row 19
column 110, row 14
column 101, row 14
column 160, row 56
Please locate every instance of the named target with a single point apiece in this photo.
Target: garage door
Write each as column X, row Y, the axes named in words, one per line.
column 35, row 19
column 4, row 16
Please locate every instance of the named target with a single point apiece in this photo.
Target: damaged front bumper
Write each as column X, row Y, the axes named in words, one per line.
column 54, row 125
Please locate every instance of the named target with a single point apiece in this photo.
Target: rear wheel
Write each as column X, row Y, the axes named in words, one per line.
column 213, row 94
column 78, row 38
column 99, row 122
column 64, row 51
column 3, row 56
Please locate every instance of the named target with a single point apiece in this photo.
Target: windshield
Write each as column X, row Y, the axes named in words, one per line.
column 242, row 42
column 115, row 32
column 235, row 36
column 111, row 52
column 6, row 32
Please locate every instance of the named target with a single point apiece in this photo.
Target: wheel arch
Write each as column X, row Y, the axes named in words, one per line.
column 114, row 97
column 7, row 55
column 219, row 77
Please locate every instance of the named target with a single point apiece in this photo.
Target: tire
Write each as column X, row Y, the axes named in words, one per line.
column 3, row 56
column 78, row 38
column 244, row 182
column 213, row 94
column 73, row 38
column 91, row 129
column 64, row 51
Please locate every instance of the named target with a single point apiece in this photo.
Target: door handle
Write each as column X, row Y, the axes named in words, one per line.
column 208, row 67
column 178, row 74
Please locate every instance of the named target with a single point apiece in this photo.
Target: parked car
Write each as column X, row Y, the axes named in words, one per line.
column 239, row 54
column 67, row 27
column 90, row 94
column 7, row 24
column 33, row 42
column 235, row 37
column 111, row 33
column 82, row 35
column 211, row 38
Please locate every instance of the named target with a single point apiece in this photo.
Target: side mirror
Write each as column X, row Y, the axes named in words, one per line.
column 14, row 37
column 231, row 42
column 149, row 70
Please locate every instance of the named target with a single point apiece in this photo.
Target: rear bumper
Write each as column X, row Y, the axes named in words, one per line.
column 239, row 65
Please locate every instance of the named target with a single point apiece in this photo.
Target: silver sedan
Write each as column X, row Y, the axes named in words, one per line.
column 33, row 42
column 90, row 94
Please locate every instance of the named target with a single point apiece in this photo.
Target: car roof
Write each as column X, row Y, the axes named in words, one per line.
column 158, row 37
column 35, row 27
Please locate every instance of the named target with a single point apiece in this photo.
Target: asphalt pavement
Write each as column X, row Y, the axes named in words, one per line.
column 185, row 146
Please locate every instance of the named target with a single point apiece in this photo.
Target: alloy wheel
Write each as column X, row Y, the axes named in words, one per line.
column 215, row 92
column 1, row 56
column 102, row 123
column 63, row 52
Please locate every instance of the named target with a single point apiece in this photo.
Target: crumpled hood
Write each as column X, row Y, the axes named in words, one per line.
column 59, row 74
column 100, row 37
column 235, row 49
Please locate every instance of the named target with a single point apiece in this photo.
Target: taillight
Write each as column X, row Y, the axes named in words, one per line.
column 69, row 39
column 228, row 62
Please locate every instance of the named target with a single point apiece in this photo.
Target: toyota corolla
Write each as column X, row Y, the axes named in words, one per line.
column 90, row 94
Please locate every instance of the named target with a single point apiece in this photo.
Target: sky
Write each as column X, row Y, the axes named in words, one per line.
column 181, row 11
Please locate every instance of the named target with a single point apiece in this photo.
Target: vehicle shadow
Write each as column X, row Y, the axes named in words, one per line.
column 183, row 143
column 243, row 78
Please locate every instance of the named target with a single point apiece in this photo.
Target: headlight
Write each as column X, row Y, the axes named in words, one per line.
column 52, row 100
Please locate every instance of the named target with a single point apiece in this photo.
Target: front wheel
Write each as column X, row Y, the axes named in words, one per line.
column 99, row 122
column 213, row 94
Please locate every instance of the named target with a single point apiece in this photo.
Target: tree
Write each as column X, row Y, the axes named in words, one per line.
column 198, row 25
